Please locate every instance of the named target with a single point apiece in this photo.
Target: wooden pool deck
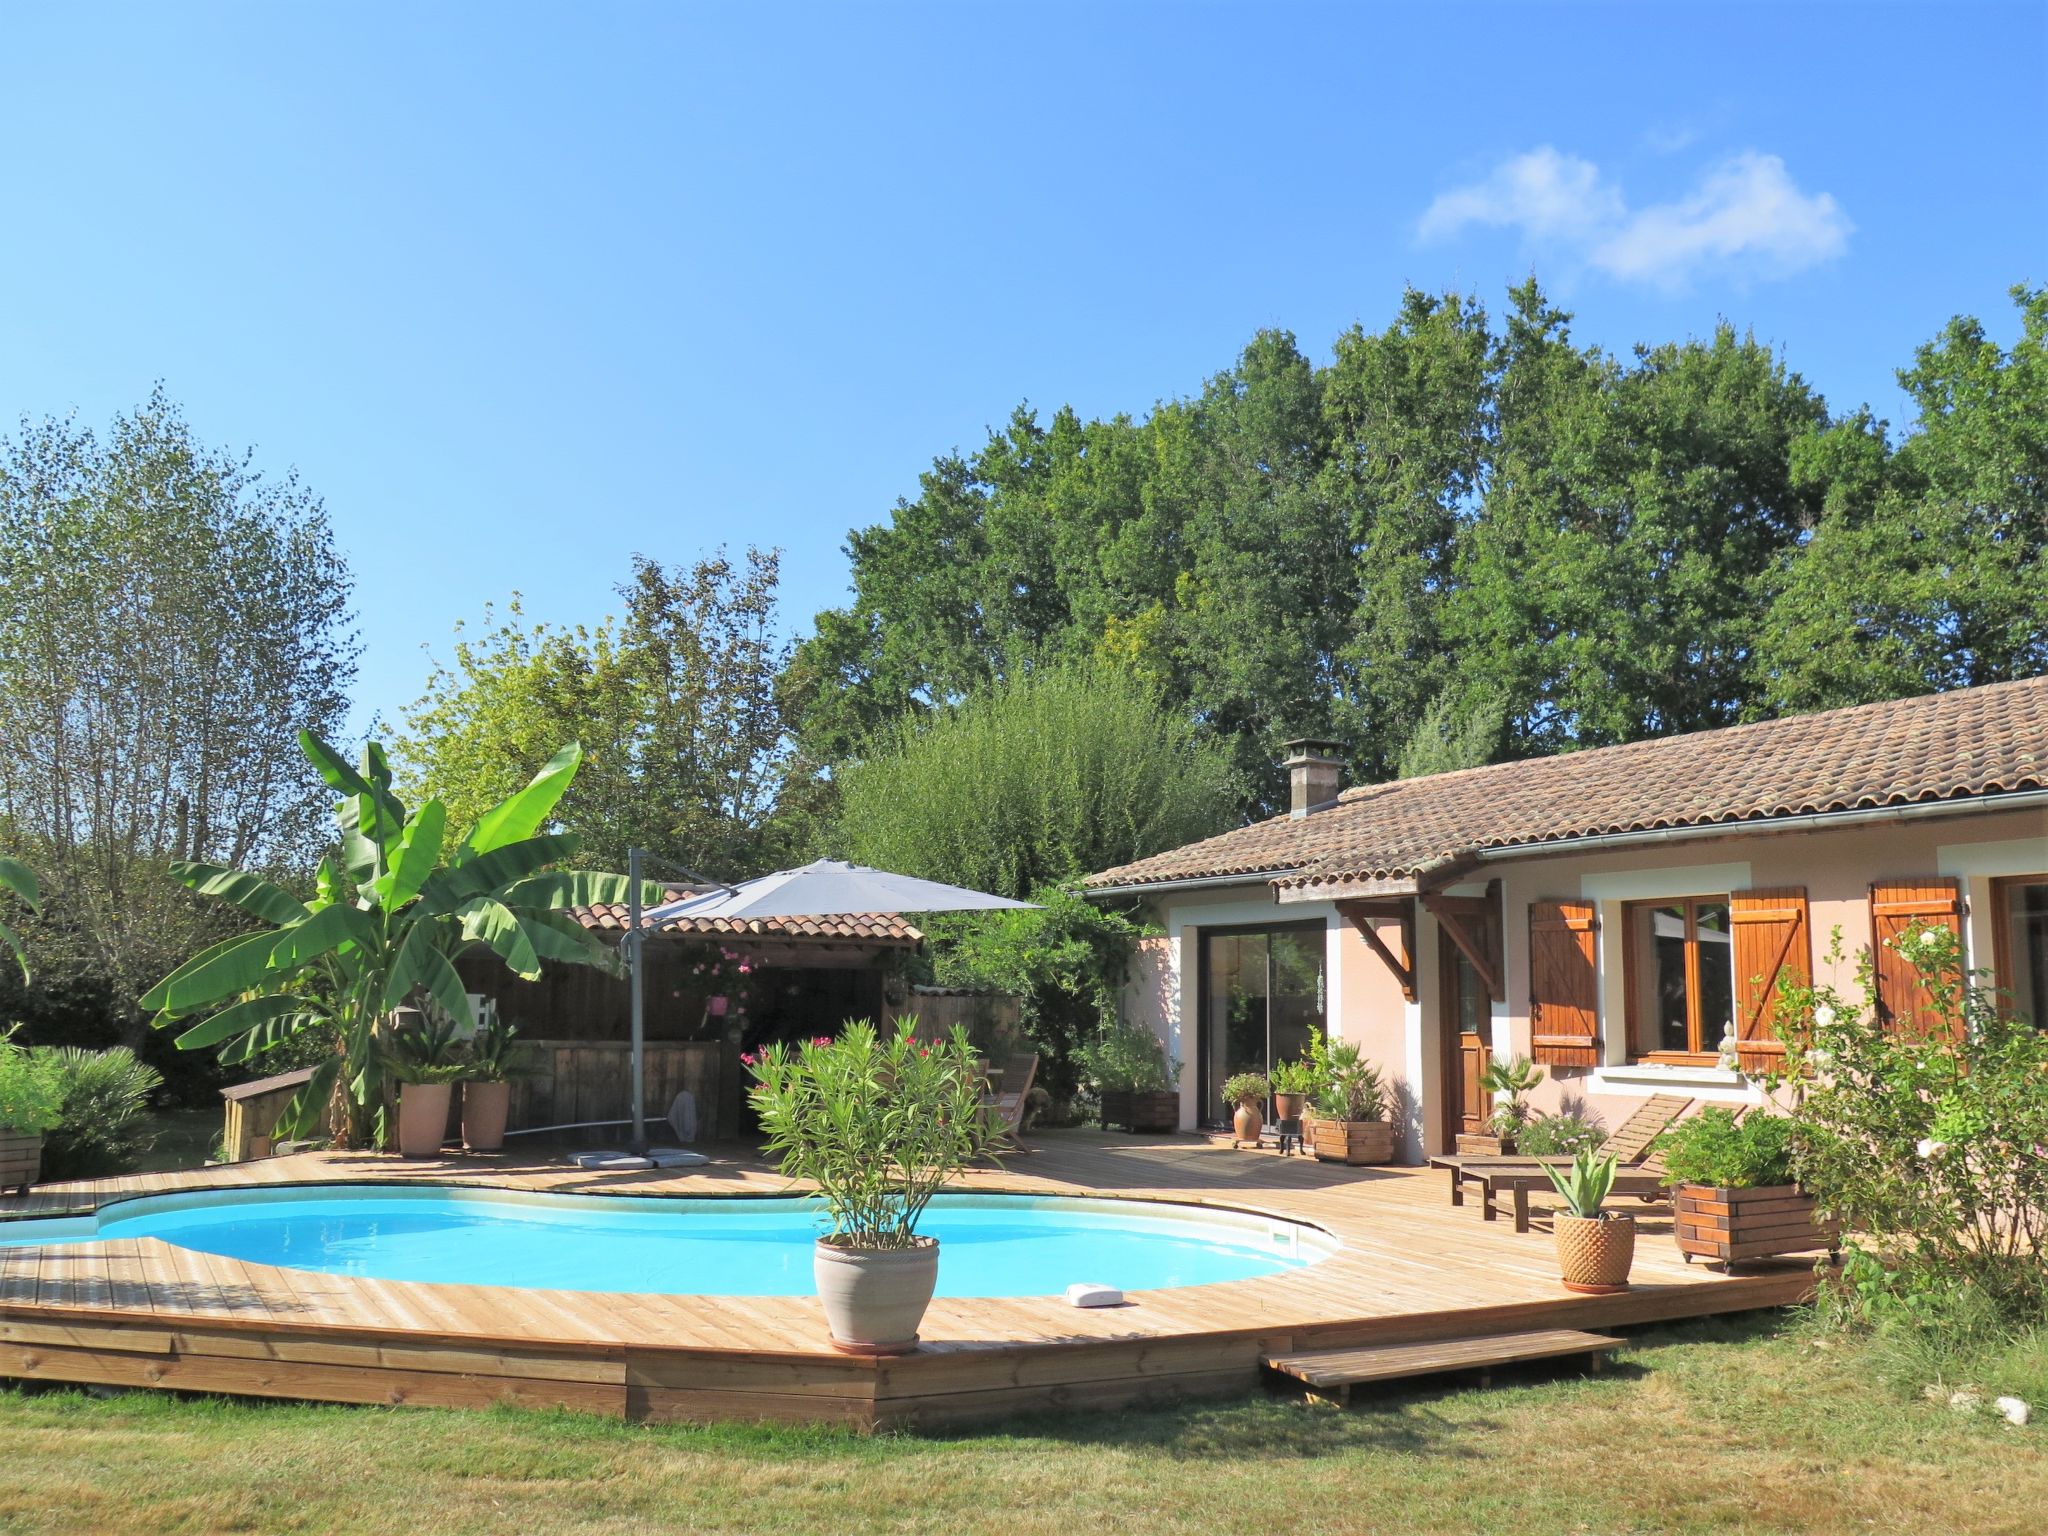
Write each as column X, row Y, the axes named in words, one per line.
column 1411, row 1268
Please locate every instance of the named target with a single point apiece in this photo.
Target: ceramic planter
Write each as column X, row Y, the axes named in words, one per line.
column 1288, row 1106
column 21, row 1160
column 484, row 1107
column 1595, row 1253
column 1356, row 1142
column 875, row 1297
column 1247, row 1125
column 1733, row 1225
column 422, row 1118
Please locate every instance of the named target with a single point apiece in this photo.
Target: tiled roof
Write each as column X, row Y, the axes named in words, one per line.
column 840, row 928
column 1973, row 741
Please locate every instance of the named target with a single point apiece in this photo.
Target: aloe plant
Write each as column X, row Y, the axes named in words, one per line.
column 1584, row 1185
column 384, row 926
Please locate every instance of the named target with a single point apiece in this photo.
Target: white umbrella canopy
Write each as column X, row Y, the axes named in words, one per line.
column 828, row 888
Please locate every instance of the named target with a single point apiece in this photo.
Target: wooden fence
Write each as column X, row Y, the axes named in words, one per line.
column 579, row 1081
column 993, row 1020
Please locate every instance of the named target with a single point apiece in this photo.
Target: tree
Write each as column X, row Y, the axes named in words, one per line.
column 677, row 702
column 1927, row 567
column 169, row 619
column 384, row 926
column 19, row 880
column 1043, row 778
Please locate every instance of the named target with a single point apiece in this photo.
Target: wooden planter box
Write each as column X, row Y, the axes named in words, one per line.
column 21, row 1161
column 1141, row 1111
column 1735, row 1225
column 1356, row 1142
column 1485, row 1145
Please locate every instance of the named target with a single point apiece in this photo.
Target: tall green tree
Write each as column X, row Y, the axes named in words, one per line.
column 677, row 702
column 1040, row 778
column 1926, row 569
column 383, row 928
column 170, row 618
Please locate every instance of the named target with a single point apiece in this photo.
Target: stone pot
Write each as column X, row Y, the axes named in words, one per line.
column 21, row 1160
column 1595, row 1253
column 875, row 1297
column 484, row 1107
column 1287, row 1106
column 422, row 1118
column 1247, row 1123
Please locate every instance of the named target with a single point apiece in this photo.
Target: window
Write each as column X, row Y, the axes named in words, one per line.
column 1263, row 995
column 1680, row 978
column 2020, row 938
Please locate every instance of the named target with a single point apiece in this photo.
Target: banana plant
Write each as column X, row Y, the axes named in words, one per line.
column 392, row 909
column 17, row 877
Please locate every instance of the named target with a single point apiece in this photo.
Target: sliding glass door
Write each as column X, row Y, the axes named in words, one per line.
column 1264, row 994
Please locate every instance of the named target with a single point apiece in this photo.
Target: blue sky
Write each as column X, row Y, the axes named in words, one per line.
column 524, row 290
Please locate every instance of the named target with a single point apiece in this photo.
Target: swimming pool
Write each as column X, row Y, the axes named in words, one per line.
column 990, row 1245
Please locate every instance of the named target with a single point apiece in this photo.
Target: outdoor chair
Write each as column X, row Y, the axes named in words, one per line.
column 1006, row 1104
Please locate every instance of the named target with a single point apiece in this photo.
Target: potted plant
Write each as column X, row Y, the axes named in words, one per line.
column 1138, row 1087
column 31, row 1102
column 1248, row 1091
column 1347, row 1120
column 1293, row 1083
column 1595, row 1248
column 876, row 1126
column 1510, row 1081
column 495, row 1058
column 1735, row 1196
column 426, row 1062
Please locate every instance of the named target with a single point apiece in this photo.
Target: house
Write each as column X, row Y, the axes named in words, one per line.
column 1624, row 915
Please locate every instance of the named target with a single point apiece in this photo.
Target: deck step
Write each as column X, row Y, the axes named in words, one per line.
column 1334, row 1372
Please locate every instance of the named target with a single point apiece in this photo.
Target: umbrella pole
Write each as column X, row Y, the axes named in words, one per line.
column 633, row 952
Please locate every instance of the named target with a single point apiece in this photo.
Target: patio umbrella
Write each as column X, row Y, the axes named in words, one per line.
column 824, row 888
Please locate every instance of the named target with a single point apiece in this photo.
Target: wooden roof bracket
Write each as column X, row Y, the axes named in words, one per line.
column 1454, row 918
column 1360, row 915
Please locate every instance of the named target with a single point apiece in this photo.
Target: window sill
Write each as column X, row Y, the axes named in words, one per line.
column 1635, row 1076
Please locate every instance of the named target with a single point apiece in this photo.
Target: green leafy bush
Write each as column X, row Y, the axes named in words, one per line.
column 494, row 1054
column 31, row 1097
column 103, row 1113
column 1304, row 1077
column 1713, row 1147
column 1932, row 1149
column 426, row 1052
column 1516, row 1077
column 1349, row 1087
column 1252, row 1088
column 1559, row 1136
column 878, row 1125
column 1125, row 1060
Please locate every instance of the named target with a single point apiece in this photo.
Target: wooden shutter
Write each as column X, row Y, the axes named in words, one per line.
column 1895, row 906
column 1773, row 950
column 1564, row 984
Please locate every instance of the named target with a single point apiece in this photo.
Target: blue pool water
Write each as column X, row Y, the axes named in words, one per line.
column 989, row 1245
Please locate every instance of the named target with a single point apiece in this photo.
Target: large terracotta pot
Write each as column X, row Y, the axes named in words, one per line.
column 1287, row 1106
column 484, row 1106
column 422, row 1118
column 1595, row 1253
column 875, row 1297
column 21, row 1160
column 1247, row 1123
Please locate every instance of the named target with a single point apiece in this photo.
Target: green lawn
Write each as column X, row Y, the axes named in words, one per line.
column 1711, row 1427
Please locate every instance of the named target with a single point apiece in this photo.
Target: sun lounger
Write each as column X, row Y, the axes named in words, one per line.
column 1633, row 1146
column 1005, row 1107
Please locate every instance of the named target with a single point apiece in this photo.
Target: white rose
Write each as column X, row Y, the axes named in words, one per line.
column 1928, row 937
column 1931, row 1148
column 1823, row 1015
column 1820, row 1058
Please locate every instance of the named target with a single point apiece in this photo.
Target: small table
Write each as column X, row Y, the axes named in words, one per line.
column 1289, row 1132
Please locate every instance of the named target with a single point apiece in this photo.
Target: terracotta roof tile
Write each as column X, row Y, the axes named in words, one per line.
column 1973, row 741
column 842, row 928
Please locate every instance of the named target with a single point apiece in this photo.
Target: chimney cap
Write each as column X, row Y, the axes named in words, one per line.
column 1308, row 748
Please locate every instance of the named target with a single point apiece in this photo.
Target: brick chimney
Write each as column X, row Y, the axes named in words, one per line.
column 1315, row 772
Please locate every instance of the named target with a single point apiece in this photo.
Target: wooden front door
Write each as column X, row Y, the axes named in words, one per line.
column 1468, row 1042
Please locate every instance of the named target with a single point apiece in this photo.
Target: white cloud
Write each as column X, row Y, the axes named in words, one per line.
column 1747, row 214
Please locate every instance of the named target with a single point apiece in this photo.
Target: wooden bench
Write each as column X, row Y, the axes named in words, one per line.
column 1516, row 1183
column 1334, row 1372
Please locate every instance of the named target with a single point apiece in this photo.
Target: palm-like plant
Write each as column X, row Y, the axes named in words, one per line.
column 17, row 877
column 386, row 921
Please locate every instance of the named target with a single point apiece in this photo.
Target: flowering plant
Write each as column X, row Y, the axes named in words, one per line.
column 877, row 1124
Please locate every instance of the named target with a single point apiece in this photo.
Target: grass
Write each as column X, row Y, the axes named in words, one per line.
column 1715, row 1426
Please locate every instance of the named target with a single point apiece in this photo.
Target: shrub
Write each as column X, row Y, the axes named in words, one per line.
column 1515, row 1076
column 1933, row 1149
column 1252, row 1088
column 1304, row 1077
column 1559, row 1136
column 103, row 1124
column 1583, row 1185
column 1349, row 1087
column 1713, row 1147
column 1125, row 1060
column 31, row 1097
column 877, row 1125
